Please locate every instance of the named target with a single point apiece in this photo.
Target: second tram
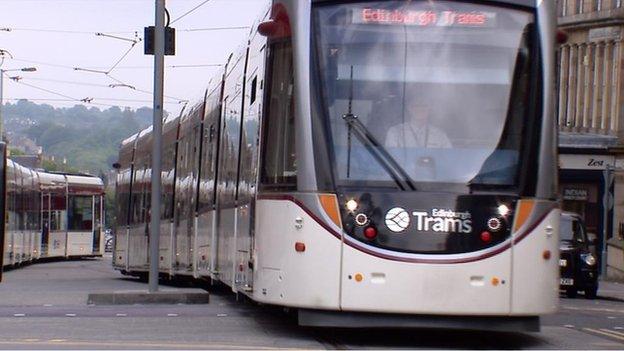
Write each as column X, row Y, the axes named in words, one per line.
column 50, row 215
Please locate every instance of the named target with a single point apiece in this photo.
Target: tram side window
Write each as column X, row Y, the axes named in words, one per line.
column 279, row 166
column 80, row 215
column 166, row 208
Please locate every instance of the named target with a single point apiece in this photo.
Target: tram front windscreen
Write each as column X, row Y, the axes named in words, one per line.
column 431, row 93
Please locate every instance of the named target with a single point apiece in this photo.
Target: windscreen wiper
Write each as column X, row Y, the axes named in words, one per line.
column 380, row 154
column 373, row 146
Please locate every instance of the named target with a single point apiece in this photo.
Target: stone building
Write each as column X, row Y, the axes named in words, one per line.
column 591, row 121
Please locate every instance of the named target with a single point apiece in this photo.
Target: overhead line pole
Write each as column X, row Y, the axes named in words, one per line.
column 159, row 72
column 1, row 104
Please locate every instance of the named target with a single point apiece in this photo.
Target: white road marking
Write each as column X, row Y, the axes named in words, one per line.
column 172, row 314
column 222, row 315
column 614, row 332
column 605, row 332
column 593, row 309
column 611, row 317
column 70, row 315
column 618, row 328
column 121, row 315
column 19, row 315
column 48, row 305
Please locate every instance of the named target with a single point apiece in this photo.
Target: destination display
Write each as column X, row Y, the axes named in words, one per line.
column 425, row 18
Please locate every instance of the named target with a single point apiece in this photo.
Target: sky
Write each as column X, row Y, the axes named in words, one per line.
column 57, row 36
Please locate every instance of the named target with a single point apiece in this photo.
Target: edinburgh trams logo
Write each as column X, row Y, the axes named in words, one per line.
column 436, row 220
column 397, row 219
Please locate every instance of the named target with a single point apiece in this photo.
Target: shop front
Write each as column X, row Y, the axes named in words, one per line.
column 586, row 188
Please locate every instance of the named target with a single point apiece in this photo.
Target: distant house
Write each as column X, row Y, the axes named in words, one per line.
column 30, row 161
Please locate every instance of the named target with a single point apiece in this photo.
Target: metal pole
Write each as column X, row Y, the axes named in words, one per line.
column 606, row 205
column 159, row 65
column 1, row 103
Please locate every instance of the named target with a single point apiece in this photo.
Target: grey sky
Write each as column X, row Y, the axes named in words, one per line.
column 119, row 18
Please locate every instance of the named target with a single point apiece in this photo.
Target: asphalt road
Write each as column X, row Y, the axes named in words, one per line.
column 44, row 306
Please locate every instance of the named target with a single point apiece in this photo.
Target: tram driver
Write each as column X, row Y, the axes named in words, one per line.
column 416, row 131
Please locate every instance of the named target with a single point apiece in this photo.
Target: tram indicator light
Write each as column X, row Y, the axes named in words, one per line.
column 425, row 18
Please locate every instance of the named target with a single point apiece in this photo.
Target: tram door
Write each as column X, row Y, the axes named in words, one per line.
column 227, row 179
column 186, row 188
column 248, row 174
column 45, row 224
column 97, row 224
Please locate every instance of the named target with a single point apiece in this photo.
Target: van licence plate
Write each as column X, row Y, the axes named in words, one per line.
column 563, row 263
column 566, row 281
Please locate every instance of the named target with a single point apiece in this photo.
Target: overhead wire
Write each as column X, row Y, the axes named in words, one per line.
column 68, row 82
column 72, row 100
column 190, row 11
column 121, row 58
column 212, row 29
column 46, row 30
column 47, row 90
column 87, row 100
column 116, row 64
column 145, row 91
column 110, row 33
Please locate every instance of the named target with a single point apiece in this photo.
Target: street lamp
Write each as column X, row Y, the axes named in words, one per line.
column 2, row 71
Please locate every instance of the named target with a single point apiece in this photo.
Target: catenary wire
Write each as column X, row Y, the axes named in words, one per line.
column 190, row 11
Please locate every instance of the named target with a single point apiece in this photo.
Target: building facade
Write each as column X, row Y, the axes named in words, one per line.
column 591, row 125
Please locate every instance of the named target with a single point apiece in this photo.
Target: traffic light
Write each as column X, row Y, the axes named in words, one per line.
column 148, row 41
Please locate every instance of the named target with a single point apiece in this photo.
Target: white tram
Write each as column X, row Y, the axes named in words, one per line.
column 49, row 215
column 368, row 163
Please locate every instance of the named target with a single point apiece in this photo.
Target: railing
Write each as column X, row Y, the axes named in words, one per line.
column 588, row 81
column 576, row 7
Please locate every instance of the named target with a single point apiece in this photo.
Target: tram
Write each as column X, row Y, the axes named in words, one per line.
column 49, row 215
column 367, row 164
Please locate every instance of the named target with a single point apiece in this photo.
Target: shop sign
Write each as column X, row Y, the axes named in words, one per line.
column 590, row 162
column 605, row 34
column 575, row 194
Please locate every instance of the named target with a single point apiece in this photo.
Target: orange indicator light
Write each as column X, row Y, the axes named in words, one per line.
column 359, row 277
column 495, row 281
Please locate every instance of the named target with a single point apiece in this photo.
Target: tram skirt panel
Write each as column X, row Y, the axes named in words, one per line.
column 285, row 276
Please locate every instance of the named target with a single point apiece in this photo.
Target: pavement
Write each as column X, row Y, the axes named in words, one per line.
column 611, row 290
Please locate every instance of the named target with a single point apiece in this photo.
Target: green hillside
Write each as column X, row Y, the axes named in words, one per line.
column 88, row 138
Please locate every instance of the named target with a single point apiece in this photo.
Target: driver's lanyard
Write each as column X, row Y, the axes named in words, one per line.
column 417, row 138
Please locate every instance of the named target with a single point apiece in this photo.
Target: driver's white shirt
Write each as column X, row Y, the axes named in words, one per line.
column 405, row 135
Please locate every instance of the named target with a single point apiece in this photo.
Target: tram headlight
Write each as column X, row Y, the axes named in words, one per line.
column 503, row 210
column 589, row 259
column 352, row 205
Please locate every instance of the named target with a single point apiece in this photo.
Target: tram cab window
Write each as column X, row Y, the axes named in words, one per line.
column 80, row 214
column 58, row 212
column 279, row 166
column 428, row 85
